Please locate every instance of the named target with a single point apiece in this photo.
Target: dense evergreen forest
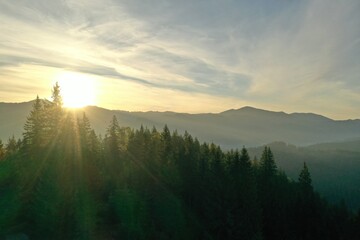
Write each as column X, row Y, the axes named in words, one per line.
column 62, row 181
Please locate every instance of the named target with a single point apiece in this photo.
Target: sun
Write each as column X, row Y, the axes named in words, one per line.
column 77, row 89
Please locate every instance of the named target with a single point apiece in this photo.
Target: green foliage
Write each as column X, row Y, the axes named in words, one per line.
column 34, row 128
column 267, row 163
column 85, row 212
column 9, row 198
column 12, row 146
column 62, row 181
column 130, row 213
column 305, row 179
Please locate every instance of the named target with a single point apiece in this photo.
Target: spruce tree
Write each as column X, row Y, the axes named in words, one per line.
column 305, row 183
column 305, row 178
column 267, row 163
column 11, row 146
column 268, row 194
column 246, row 214
column 166, row 145
column 307, row 220
column 244, row 161
column 56, row 96
column 54, row 116
column 114, row 164
column 204, row 160
column 34, row 127
column 84, row 129
column 112, row 138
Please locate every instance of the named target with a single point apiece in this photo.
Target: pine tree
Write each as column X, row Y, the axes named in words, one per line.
column 187, row 167
column 166, row 145
column 34, row 127
column 304, row 177
column 54, row 116
column 56, row 96
column 235, row 165
column 267, row 163
column 204, row 161
column 84, row 128
column 268, row 194
column 244, row 161
column 11, row 146
column 305, row 180
column 245, row 210
column 154, row 148
column 217, row 164
column 94, row 142
column 112, row 138
column 307, row 219
column 114, row 159
column 218, row 186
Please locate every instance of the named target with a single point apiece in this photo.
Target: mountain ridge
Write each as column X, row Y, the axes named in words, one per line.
column 232, row 128
column 294, row 138
column 244, row 108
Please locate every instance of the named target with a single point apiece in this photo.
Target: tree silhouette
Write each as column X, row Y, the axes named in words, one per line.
column 34, row 129
column 62, row 181
column 305, row 178
column 267, row 163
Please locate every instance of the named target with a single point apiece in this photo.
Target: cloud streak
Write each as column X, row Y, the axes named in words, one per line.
column 292, row 56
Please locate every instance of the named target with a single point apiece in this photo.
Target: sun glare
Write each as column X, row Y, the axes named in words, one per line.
column 77, row 89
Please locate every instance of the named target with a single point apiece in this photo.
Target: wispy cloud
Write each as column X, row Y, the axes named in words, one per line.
column 292, row 56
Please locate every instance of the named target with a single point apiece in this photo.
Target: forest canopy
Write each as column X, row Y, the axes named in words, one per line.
column 63, row 181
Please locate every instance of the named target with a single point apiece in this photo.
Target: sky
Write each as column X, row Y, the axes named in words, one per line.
column 186, row 56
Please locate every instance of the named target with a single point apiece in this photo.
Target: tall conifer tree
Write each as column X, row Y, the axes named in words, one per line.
column 34, row 128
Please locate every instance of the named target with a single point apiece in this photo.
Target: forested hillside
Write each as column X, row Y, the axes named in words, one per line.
column 62, row 181
column 335, row 167
column 245, row 126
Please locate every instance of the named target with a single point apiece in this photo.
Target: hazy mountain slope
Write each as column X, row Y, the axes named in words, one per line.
column 335, row 171
column 246, row 126
column 12, row 118
column 233, row 128
column 352, row 146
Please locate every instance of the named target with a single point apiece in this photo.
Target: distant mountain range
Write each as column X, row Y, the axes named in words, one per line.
column 231, row 129
column 331, row 148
